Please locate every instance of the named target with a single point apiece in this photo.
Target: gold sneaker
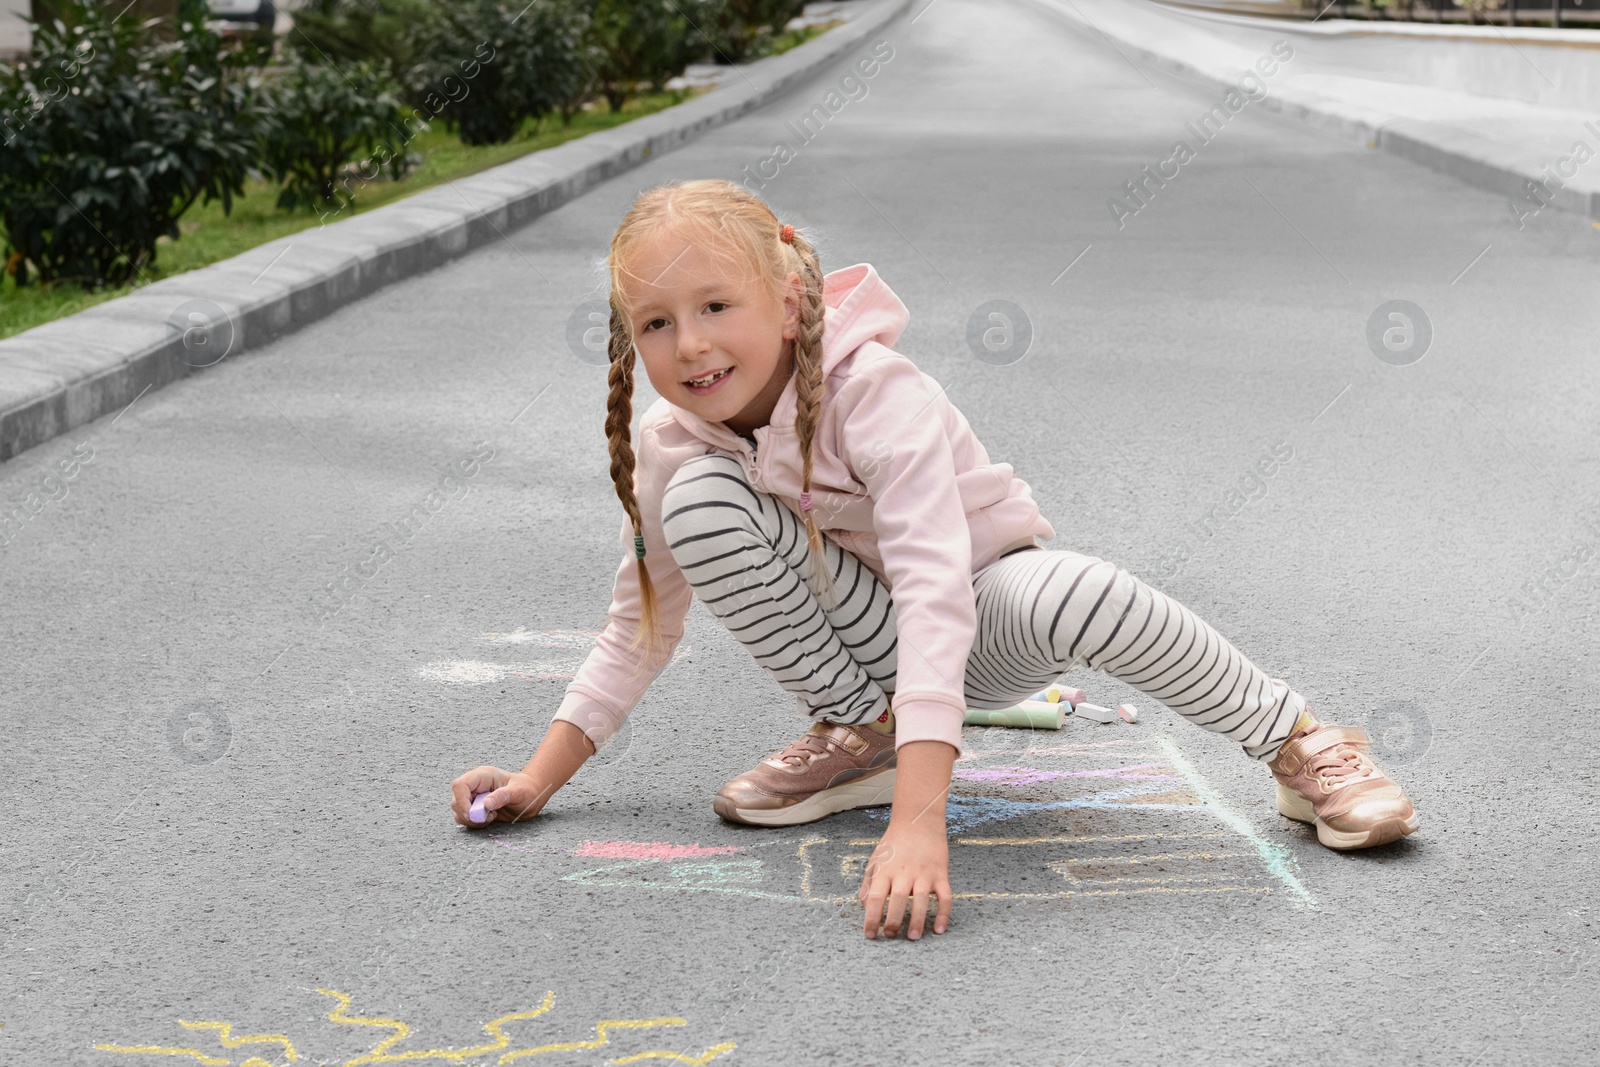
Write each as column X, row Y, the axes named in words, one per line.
column 1326, row 778
column 830, row 768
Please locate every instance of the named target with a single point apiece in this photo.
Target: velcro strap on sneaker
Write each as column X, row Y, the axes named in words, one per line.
column 1294, row 754
column 843, row 736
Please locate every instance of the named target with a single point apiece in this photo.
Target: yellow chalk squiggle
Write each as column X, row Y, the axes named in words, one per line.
column 705, row 1057
column 157, row 1050
column 229, row 1041
column 380, row 1053
column 225, row 1036
column 603, row 1039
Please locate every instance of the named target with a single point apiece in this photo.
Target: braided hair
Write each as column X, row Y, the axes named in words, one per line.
column 738, row 227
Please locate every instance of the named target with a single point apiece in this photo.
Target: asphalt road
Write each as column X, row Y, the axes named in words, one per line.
column 226, row 797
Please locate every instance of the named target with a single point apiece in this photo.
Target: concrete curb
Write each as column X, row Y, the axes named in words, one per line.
column 1478, row 161
column 71, row 371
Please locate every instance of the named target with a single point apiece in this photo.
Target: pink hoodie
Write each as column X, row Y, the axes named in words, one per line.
column 898, row 479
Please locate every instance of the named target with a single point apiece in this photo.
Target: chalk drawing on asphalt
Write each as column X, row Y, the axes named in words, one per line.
column 384, row 1051
column 560, row 653
column 1123, row 818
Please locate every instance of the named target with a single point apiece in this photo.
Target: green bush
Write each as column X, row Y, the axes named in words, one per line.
column 740, row 29
column 110, row 136
column 489, row 65
column 645, row 42
column 322, row 118
column 573, row 82
column 386, row 32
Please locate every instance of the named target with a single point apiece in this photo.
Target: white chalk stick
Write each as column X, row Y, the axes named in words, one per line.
column 1094, row 712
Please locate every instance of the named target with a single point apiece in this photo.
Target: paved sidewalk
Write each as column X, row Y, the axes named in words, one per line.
column 1498, row 108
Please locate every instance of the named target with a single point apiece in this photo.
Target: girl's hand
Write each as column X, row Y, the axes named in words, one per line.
column 907, row 864
column 513, row 797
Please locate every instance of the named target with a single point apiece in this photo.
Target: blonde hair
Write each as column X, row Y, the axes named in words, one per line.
column 736, row 227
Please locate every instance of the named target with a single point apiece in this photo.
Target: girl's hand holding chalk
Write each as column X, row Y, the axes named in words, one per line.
column 486, row 795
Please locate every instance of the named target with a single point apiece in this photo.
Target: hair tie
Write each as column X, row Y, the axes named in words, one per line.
column 805, row 501
column 638, row 547
column 787, row 234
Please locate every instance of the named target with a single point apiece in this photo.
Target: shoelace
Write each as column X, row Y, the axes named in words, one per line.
column 799, row 750
column 1342, row 765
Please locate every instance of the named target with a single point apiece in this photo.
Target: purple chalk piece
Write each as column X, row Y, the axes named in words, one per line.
column 477, row 814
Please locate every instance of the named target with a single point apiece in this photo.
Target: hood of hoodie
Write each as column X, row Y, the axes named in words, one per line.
column 859, row 307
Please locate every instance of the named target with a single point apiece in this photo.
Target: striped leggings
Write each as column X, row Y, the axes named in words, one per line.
column 1040, row 613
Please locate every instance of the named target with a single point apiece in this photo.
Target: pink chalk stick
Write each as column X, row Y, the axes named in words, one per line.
column 1128, row 712
column 477, row 814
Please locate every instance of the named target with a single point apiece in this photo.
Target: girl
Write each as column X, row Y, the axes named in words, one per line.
column 785, row 412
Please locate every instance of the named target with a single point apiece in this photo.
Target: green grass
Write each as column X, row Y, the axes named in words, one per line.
column 209, row 236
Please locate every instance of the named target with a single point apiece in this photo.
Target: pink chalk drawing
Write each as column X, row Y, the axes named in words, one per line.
column 1036, row 745
column 1139, row 772
column 649, row 850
